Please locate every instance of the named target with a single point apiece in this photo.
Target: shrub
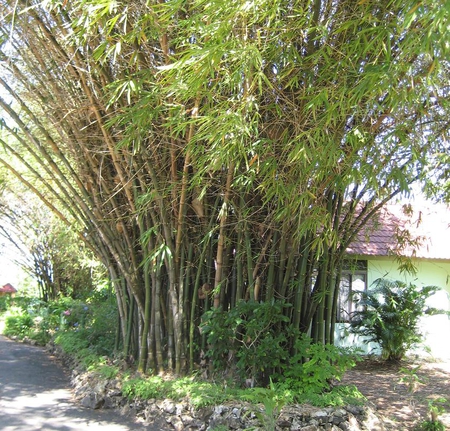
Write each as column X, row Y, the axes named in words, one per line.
column 389, row 315
column 4, row 303
column 314, row 367
column 73, row 343
column 436, row 407
column 252, row 337
column 92, row 339
column 18, row 325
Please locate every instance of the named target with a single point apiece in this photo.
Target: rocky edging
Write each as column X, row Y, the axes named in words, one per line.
column 94, row 392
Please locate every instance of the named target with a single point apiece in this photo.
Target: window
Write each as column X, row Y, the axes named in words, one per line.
column 353, row 280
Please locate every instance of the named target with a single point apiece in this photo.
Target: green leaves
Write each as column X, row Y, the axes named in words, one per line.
column 390, row 315
column 244, row 132
column 252, row 335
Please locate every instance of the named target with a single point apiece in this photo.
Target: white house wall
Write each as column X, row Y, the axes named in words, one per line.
column 435, row 328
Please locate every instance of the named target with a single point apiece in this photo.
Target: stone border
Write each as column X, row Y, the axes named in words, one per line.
column 95, row 392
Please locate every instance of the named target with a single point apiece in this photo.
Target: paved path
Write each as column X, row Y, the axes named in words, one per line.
column 35, row 395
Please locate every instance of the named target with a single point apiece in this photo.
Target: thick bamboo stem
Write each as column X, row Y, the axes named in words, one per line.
column 222, row 239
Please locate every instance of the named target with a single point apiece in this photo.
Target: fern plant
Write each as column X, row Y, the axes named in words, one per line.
column 389, row 314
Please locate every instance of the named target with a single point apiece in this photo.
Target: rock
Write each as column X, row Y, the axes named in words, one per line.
column 187, row 420
column 110, row 403
column 355, row 410
column 310, row 428
column 156, row 422
column 202, row 414
column 371, row 421
column 94, row 392
column 284, row 423
column 114, row 392
column 351, row 424
column 176, row 423
column 295, row 425
column 127, row 410
column 100, row 387
column 220, row 410
column 234, row 423
column 92, row 401
column 216, row 422
column 169, row 406
column 321, row 416
column 336, row 420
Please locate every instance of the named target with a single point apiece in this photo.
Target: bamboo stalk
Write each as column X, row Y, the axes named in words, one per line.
column 157, row 311
column 221, row 242
column 128, row 338
column 194, row 298
column 239, row 267
column 270, row 282
column 143, row 354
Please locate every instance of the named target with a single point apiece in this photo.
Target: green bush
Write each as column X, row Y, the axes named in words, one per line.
column 89, row 326
column 430, row 426
column 41, row 332
column 103, row 326
column 151, row 387
column 436, row 407
column 67, row 313
column 18, row 325
column 252, row 337
column 389, row 315
column 73, row 343
column 93, row 339
column 200, row 393
column 4, row 303
column 312, row 370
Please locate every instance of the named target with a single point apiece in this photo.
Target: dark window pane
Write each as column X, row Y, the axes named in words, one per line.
column 353, row 280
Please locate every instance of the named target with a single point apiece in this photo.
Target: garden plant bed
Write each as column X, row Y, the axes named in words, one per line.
column 402, row 397
column 397, row 392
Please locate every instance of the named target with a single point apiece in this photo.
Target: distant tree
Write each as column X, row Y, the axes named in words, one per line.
column 44, row 248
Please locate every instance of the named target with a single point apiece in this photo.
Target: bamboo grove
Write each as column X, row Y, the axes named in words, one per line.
column 212, row 152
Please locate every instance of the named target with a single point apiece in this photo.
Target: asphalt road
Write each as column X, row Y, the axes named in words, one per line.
column 35, row 395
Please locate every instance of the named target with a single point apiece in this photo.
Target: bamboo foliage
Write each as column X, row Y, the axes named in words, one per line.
column 216, row 152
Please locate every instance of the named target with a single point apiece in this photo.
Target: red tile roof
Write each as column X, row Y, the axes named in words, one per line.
column 8, row 288
column 422, row 232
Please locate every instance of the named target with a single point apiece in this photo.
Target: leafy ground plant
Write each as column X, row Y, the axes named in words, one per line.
column 252, row 338
column 436, row 408
column 314, row 366
column 411, row 378
column 389, row 315
column 200, row 393
column 18, row 324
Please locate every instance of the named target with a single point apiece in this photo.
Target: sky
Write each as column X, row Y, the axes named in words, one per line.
column 9, row 273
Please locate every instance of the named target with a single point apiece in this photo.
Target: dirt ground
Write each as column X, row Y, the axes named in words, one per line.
column 401, row 392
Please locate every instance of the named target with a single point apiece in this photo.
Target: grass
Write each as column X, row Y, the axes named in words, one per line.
column 199, row 392
column 203, row 393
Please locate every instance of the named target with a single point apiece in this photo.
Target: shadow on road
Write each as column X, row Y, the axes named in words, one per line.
column 35, row 395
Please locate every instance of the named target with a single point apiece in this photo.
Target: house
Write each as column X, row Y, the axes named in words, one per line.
column 401, row 236
column 7, row 289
